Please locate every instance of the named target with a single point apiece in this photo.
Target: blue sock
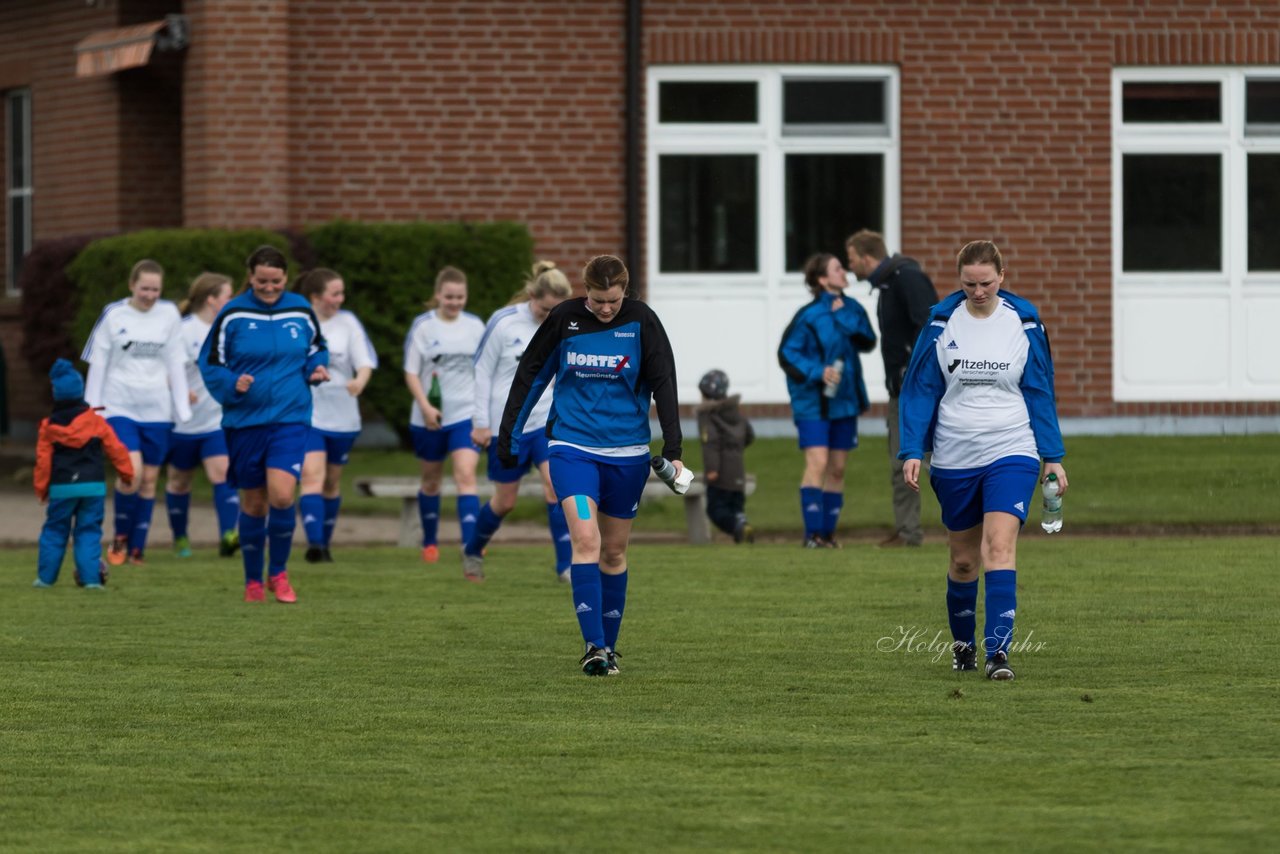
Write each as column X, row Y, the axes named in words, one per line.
column 227, row 503
column 281, row 523
column 962, row 603
column 811, row 509
column 331, row 508
column 429, row 512
column 613, row 601
column 312, row 508
column 179, row 507
column 832, row 504
column 486, row 526
column 587, row 602
column 123, row 508
column 142, row 510
column 253, row 542
column 560, row 537
column 1002, row 600
column 468, row 514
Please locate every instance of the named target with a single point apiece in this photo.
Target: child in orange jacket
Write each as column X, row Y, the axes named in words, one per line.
column 71, row 477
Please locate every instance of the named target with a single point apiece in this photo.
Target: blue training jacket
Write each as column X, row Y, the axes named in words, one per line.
column 924, row 386
column 815, row 338
column 279, row 345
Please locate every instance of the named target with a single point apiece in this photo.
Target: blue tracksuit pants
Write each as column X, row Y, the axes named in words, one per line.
column 80, row 518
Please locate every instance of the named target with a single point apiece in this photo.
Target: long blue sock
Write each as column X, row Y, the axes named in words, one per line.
column 429, row 512
column 811, row 510
column 253, row 542
column 832, row 504
column 179, row 507
column 962, row 604
column 486, row 526
column 312, row 509
column 227, row 503
column 613, row 601
column 281, row 523
column 123, row 508
column 468, row 514
column 560, row 537
column 142, row 510
column 331, row 508
column 587, row 602
column 1002, row 601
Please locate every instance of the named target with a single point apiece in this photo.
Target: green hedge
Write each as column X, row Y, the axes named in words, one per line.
column 389, row 269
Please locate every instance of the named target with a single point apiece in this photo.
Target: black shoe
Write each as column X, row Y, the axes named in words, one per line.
column 998, row 667
column 327, row 556
column 595, row 662
column 229, row 544
column 315, row 554
column 963, row 656
column 613, row 655
column 814, row 541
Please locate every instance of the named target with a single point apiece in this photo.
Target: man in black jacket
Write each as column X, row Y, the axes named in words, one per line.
column 906, row 294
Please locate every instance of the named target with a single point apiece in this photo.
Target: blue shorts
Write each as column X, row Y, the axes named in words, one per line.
column 615, row 483
column 532, row 452
column 188, row 450
column 149, row 437
column 838, row 434
column 268, row 446
column 1005, row 486
column 434, row 445
column 336, row 446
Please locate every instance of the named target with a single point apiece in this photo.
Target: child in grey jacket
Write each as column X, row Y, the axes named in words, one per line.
column 725, row 434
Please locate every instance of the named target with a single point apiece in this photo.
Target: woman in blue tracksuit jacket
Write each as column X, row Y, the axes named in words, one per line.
column 819, row 354
column 259, row 359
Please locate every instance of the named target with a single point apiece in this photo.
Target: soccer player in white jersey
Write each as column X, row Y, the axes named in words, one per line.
column 979, row 394
column 201, row 441
column 508, row 333
column 137, row 375
column 438, row 355
column 335, row 409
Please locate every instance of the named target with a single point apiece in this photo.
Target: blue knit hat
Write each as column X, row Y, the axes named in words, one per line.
column 67, row 383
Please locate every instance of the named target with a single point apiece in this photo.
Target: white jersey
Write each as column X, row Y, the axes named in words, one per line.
column 982, row 416
column 206, row 413
column 446, row 349
column 508, row 333
column 140, row 358
column 332, row 406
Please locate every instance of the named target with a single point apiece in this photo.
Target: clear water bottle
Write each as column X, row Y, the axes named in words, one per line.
column 832, row 388
column 1051, row 515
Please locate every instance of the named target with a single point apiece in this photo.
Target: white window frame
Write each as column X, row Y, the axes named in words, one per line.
column 1232, row 284
column 24, row 190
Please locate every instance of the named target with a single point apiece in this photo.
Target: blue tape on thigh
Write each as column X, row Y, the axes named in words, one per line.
column 584, row 509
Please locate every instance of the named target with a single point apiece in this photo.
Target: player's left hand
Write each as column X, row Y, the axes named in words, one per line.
column 319, row 375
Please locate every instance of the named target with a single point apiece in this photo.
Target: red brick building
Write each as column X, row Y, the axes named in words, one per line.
column 1124, row 153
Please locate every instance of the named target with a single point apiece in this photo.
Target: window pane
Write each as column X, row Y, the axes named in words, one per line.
column 1172, row 102
column 825, row 102
column 1262, row 102
column 707, row 213
column 707, row 103
column 829, row 197
column 1172, row 212
column 19, row 240
column 17, row 123
column 1264, row 211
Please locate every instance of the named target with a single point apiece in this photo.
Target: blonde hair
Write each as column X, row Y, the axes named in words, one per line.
column 146, row 265
column 447, row 276
column 204, row 288
column 545, row 278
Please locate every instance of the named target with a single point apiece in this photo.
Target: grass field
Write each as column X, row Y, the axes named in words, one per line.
column 767, row 703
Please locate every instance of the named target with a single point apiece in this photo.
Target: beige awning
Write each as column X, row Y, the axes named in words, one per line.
column 109, row 51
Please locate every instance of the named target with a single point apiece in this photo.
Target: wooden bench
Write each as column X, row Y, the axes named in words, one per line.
column 406, row 489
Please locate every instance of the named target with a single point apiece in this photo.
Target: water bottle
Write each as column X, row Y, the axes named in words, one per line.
column 666, row 472
column 434, row 397
column 1051, row 516
column 832, row 388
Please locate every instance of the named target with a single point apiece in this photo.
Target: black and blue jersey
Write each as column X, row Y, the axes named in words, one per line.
column 605, row 375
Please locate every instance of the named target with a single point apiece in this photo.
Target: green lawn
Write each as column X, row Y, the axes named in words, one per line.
column 766, row 703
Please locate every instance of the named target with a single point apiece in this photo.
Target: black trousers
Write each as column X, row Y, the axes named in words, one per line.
column 725, row 508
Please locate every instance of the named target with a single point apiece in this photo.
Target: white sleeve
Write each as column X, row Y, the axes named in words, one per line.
column 486, row 361
column 176, row 358
column 362, row 353
column 412, row 355
column 98, row 347
column 94, row 382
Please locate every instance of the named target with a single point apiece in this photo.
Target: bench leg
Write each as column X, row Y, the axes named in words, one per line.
column 410, row 524
column 695, row 519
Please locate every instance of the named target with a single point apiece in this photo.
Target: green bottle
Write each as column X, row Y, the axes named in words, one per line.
column 433, row 396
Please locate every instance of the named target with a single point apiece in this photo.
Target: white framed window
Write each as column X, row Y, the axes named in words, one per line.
column 17, row 183
column 1195, row 233
column 752, row 169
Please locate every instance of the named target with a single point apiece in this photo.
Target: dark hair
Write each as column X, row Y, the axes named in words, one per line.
column 146, row 265
column 868, row 242
column 267, row 256
column 815, row 268
column 203, row 289
column 603, row 272
column 312, row 283
column 980, row 252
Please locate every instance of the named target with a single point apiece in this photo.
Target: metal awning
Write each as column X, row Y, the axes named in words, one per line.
column 109, row 51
